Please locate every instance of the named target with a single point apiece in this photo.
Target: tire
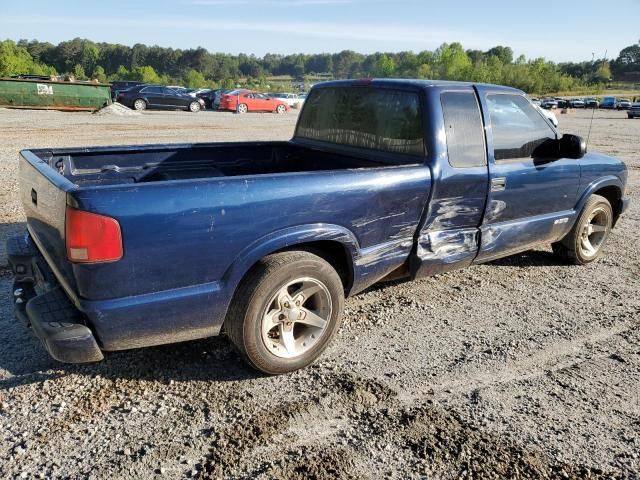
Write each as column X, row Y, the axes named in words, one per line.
column 242, row 108
column 281, row 109
column 195, row 107
column 630, row 116
column 139, row 104
column 585, row 242
column 285, row 312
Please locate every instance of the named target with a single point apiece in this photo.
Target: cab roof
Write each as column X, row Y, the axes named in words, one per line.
column 404, row 82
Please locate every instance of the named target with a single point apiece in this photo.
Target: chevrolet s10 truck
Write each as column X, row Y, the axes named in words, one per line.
column 134, row 246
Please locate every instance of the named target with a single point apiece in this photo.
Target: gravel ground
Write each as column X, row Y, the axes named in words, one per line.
column 523, row 367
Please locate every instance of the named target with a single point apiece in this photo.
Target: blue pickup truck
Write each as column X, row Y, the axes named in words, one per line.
column 133, row 246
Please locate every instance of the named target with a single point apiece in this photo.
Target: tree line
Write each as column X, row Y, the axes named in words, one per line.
column 198, row 67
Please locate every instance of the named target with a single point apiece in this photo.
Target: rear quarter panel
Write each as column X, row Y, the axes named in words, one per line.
column 184, row 233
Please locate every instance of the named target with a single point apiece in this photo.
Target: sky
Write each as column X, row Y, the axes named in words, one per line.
column 559, row 30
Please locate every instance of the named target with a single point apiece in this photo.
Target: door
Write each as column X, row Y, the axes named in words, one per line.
column 171, row 98
column 532, row 191
column 154, row 95
column 262, row 102
column 449, row 233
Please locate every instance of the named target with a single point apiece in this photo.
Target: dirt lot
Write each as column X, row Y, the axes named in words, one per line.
column 522, row 367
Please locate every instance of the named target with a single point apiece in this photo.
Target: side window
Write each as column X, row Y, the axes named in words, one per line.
column 169, row 91
column 464, row 129
column 152, row 90
column 519, row 131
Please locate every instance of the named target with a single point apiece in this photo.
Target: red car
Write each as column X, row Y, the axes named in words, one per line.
column 248, row 101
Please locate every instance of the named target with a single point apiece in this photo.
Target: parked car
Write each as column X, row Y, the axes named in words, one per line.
column 209, row 98
column 623, row 104
column 549, row 103
column 117, row 87
column 608, row 102
column 291, row 99
column 563, row 103
column 591, row 103
column 143, row 245
column 250, row 101
column 159, row 97
column 577, row 103
column 634, row 111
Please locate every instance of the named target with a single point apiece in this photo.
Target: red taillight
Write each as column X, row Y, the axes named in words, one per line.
column 92, row 238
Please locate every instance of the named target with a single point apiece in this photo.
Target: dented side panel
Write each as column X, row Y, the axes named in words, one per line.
column 448, row 236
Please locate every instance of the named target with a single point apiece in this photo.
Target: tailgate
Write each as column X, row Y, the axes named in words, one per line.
column 43, row 193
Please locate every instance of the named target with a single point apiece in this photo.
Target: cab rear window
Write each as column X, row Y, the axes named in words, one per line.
column 364, row 117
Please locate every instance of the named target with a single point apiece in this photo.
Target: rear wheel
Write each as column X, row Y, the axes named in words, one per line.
column 139, row 104
column 195, row 107
column 242, row 108
column 281, row 109
column 286, row 311
column 584, row 243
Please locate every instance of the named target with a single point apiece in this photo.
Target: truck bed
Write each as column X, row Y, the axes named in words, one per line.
column 194, row 218
column 156, row 163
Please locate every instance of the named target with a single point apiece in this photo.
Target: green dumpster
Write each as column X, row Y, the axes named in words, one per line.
column 53, row 95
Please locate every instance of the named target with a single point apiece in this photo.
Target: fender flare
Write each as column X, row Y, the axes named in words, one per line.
column 608, row 181
column 286, row 238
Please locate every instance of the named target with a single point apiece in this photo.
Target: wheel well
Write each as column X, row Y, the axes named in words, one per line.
column 334, row 253
column 612, row 194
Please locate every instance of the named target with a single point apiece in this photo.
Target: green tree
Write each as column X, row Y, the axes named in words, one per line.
column 144, row 74
column 385, row 66
column 452, row 62
column 79, row 73
column 121, row 73
column 15, row 60
column 603, row 73
column 194, row 79
column 505, row 54
column 99, row 74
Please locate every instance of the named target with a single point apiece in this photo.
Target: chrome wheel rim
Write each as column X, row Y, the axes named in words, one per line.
column 195, row 106
column 139, row 105
column 296, row 317
column 280, row 109
column 242, row 109
column 594, row 231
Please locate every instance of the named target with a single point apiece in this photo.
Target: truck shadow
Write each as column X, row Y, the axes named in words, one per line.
column 532, row 258
column 211, row 359
column 8, row 230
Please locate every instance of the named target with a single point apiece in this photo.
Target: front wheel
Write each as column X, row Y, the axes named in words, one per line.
column 584, row 243
column 286, row 311
column 242, row 108
column 195, row 107
column 281, row 109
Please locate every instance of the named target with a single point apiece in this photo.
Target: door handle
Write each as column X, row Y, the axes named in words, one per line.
column 498, row 184
column 34, row 197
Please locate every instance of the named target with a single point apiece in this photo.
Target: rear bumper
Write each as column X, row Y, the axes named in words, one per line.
column 44, row 307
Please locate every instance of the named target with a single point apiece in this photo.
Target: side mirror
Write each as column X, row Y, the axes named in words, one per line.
column 572, row 146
